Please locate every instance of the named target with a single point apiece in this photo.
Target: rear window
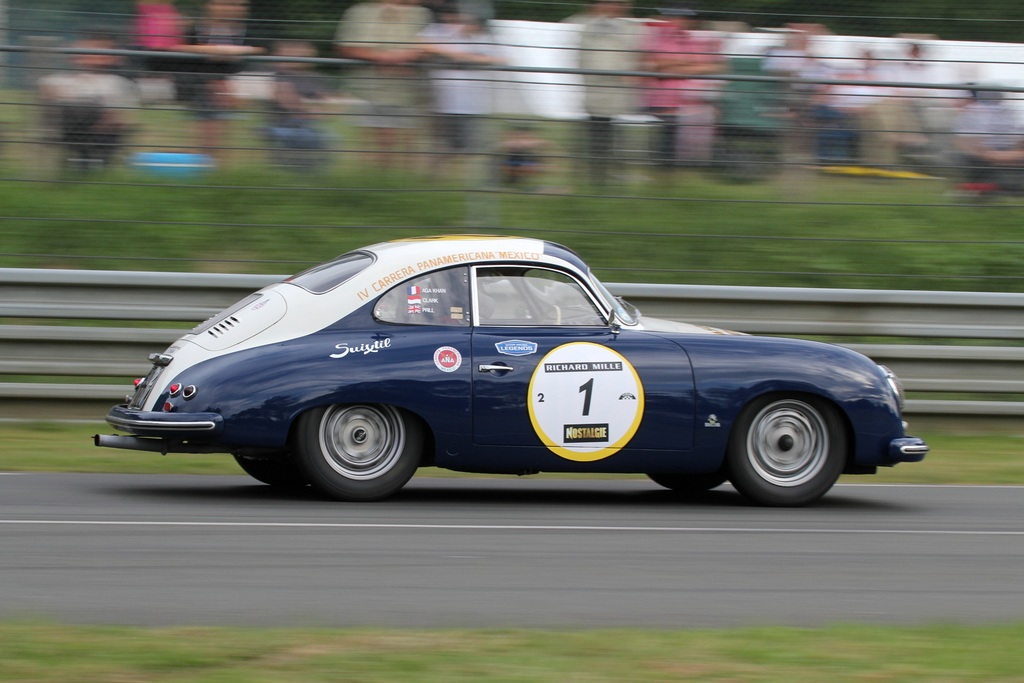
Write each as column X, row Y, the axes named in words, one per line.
column 327, row 276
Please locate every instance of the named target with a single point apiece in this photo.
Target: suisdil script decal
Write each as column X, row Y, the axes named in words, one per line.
column 366, row 348
column 586, row 401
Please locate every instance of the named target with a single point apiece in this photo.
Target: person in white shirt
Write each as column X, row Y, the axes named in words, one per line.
column 609, row 41
column 90, row 108
column 463, row 92
column 990, row 142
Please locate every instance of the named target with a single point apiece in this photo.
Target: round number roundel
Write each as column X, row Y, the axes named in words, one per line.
column 586, row 401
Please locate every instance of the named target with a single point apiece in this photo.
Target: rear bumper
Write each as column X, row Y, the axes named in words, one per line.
column 907, row 449
column 166, row 425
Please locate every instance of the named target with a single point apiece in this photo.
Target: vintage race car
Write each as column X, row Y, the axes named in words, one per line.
column 504, row 355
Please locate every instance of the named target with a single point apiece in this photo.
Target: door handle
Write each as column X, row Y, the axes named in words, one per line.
column 495, row 368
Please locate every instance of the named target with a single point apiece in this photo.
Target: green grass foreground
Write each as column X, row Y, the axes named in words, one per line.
column 946, row 654
column 63, row 447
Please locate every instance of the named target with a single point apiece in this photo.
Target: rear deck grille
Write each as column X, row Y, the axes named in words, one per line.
column 223, row 327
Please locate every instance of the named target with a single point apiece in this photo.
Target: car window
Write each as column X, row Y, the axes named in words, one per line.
column 437, row 298
column 532, row 296
column 327, row 276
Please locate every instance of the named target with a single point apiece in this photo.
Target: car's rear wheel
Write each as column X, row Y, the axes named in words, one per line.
column 688, row 483
column 786, row 450
column 358, row 452
column 279, row 473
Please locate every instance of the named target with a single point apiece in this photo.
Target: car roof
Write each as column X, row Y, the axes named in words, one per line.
column 427, row 253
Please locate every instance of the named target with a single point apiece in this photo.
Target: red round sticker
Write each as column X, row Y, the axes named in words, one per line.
column 447, row 359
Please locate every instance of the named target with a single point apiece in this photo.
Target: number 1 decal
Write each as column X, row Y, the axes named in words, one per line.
column 588, row 388
column 612, row 403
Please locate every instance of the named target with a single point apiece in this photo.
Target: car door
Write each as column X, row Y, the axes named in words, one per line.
column 549, row 372
column 426, row 324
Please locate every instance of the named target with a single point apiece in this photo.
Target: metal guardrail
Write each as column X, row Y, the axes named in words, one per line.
column 71, row 339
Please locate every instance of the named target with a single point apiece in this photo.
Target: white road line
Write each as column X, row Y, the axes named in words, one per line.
column 505, row 527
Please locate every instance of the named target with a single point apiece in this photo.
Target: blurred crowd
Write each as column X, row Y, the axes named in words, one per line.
column 422, row 91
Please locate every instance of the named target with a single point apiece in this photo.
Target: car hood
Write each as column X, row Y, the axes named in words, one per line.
column 660, row 325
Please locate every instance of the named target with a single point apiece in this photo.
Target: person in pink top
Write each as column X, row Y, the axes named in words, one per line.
column 157, row 28
column 683, row 106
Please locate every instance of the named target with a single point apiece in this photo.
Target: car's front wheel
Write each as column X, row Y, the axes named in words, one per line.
column 358, row 452
column 786, row 450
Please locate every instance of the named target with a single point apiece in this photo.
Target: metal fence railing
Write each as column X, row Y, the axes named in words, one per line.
column 72, row 341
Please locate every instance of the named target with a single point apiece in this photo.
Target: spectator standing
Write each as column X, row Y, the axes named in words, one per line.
column 841, row 112
column 220, row 38
column 91, row 108
column 157, row 28
column 889, row 131
column 931, row 106
column 989, row 141
column 523, row 156
column 609, row 42
column 868, row 121
column 298, row 93
column 674, row 48
column 931, row 110
column 385, row 35
column 463, row 94
column 795, row 59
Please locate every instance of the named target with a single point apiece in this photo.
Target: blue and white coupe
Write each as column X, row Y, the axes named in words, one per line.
column 507, row 356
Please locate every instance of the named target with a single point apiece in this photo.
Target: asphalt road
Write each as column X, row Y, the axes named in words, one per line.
column 164, row 550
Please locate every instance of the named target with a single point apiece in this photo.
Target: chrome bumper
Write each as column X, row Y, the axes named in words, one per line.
column 907, row 449
column 172, row 425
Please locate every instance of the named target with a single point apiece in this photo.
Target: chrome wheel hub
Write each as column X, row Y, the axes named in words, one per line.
column 361, row 442
column 788, row 443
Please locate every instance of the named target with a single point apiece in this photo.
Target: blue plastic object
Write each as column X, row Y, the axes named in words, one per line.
column 177, row 164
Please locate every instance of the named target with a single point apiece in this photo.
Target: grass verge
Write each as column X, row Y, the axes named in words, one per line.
column 34, row 652
column 62, row 447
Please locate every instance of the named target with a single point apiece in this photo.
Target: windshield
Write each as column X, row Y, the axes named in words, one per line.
column 626, row 313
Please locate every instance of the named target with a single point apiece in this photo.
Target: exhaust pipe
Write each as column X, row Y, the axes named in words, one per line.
column 153, row 445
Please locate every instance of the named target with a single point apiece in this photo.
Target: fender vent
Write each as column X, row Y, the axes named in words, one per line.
column 240, row 322
column 222, row 318
column 223, row 327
